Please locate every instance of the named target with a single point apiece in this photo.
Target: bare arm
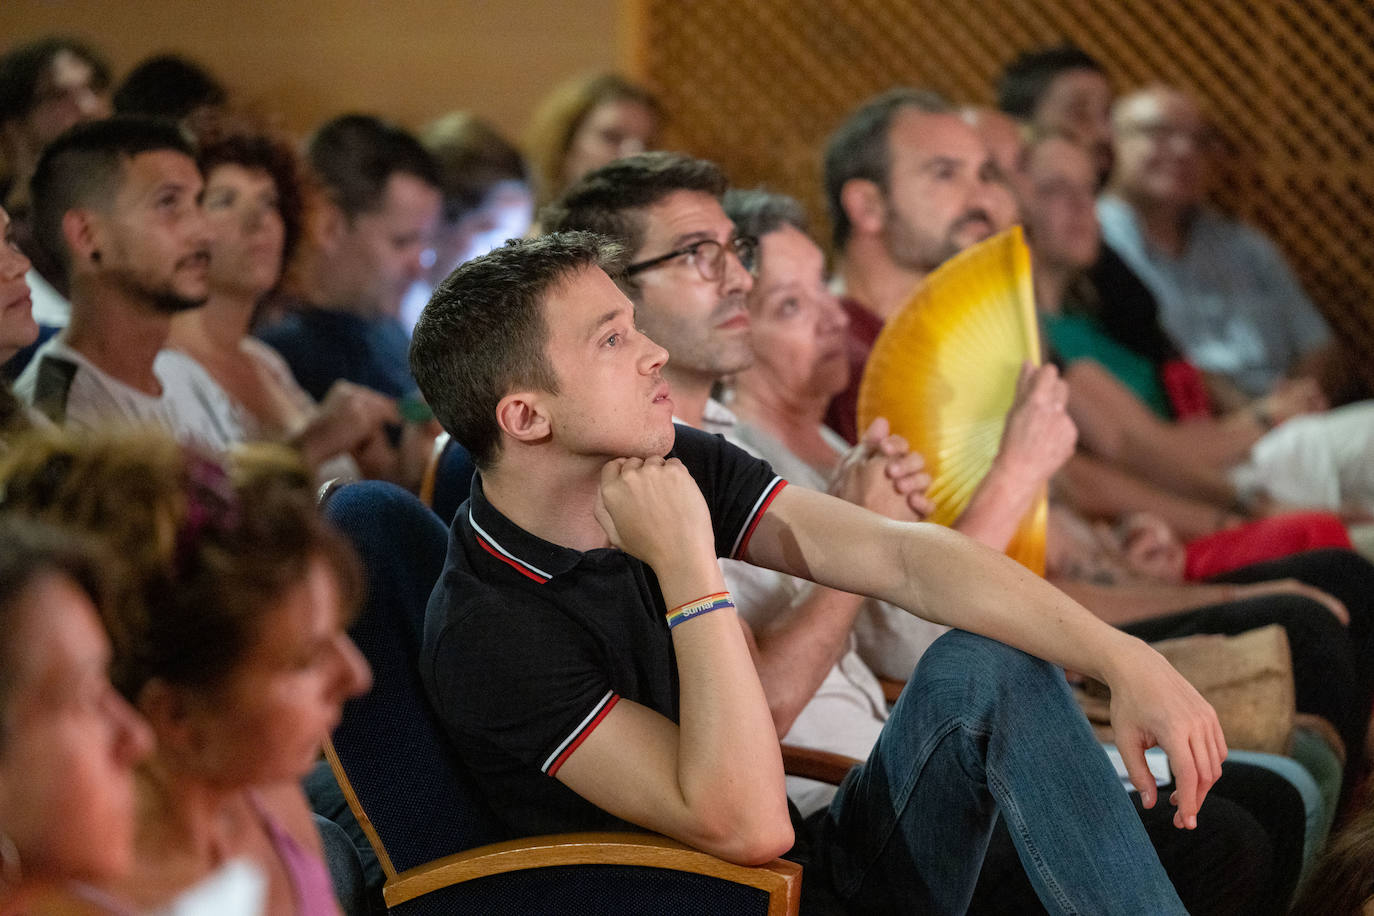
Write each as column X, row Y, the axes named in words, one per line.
column 798, row 647
column 714, row 780
column 1099, row 490
column 348, row 417
column 1188, row 459
column 1133, row 602
column 1225, row 394
column 952, row 579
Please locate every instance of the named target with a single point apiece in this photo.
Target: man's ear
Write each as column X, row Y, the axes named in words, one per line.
column 522, row 416
column 864, row 204
column 82, row 232
column 327, row 223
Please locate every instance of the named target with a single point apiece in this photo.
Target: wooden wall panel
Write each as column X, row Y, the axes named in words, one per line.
column 758, row 86
column 305, row 62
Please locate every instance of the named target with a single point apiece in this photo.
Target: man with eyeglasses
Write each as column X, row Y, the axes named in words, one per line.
column 1225, row 294
column 689, row 270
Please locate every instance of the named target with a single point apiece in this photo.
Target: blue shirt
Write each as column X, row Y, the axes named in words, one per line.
column 1229, row 301
column 322, row 346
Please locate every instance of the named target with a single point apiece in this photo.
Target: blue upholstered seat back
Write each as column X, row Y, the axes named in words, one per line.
column 401, row 766
column 452, row 480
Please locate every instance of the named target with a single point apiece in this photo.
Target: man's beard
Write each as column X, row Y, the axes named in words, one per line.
column 168, row 302
column 163, row 297
column 908, row 251
column 691, row 343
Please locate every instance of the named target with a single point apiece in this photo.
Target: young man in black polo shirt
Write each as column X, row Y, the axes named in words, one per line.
column 550, row 649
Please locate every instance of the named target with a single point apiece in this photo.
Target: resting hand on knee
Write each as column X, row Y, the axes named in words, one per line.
column 1153, row 705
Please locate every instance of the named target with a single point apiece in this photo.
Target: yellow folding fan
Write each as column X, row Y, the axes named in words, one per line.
column 944, row 369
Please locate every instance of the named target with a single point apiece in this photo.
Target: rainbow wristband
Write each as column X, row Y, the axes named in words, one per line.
column 685, row 612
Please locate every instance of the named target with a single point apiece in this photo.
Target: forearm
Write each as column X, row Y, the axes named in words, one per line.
column 1098, row 490
column 997, row 506
column 799, row 646
column 1115, row 425
column 314, row 447
column 952, row 579
column 946, row 577
column 1188, row 462
column 1170, row 457
column 728, row 765
column 1226, row 396
column 1124, row 604
column 967, row 585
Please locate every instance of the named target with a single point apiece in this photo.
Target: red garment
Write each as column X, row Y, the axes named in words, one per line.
column 1266, row 539
column 1186, row 390
column 843, row 414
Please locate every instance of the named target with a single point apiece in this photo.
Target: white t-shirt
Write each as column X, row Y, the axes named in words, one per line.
column 50, row 308
column 72, row 392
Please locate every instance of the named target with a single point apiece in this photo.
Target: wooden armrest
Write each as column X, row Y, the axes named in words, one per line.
column 811, row 763
column 891, row 689
column 780, row 879
column 427, row 481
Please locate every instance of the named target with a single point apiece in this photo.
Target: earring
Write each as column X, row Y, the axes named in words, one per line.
column 95, row 256
column 10, row 871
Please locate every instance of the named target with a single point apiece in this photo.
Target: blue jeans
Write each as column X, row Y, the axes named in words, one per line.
column 981, row 730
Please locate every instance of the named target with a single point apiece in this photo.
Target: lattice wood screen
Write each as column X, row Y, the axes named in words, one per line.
column 758, row 85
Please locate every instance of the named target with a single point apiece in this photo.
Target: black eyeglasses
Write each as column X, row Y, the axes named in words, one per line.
column 707, row 255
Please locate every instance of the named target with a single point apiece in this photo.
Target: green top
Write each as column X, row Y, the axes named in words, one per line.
column 1076, row 336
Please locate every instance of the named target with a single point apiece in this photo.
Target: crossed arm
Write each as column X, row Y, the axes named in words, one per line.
column 1187, row 458
column 954, row 580
column 715, row 780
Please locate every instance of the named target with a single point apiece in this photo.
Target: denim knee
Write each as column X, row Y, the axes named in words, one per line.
column 983, row 676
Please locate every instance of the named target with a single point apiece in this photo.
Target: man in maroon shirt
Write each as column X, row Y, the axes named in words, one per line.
column 908, row 183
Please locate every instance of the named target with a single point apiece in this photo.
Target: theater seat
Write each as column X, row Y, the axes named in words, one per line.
column 440, row 847
column 447, row 478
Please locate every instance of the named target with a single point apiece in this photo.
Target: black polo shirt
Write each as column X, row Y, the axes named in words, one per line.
column 528, row 645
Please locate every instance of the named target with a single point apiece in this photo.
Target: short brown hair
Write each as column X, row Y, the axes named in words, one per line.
column 484, row 331
column 858, row 147
column 225, row 142
column 609, row 201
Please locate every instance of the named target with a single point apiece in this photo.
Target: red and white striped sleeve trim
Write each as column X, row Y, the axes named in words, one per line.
column 760, row 506
column 579, row 734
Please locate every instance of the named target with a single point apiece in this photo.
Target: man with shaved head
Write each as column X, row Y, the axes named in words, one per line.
column 1225, row 293
column 117, row 204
